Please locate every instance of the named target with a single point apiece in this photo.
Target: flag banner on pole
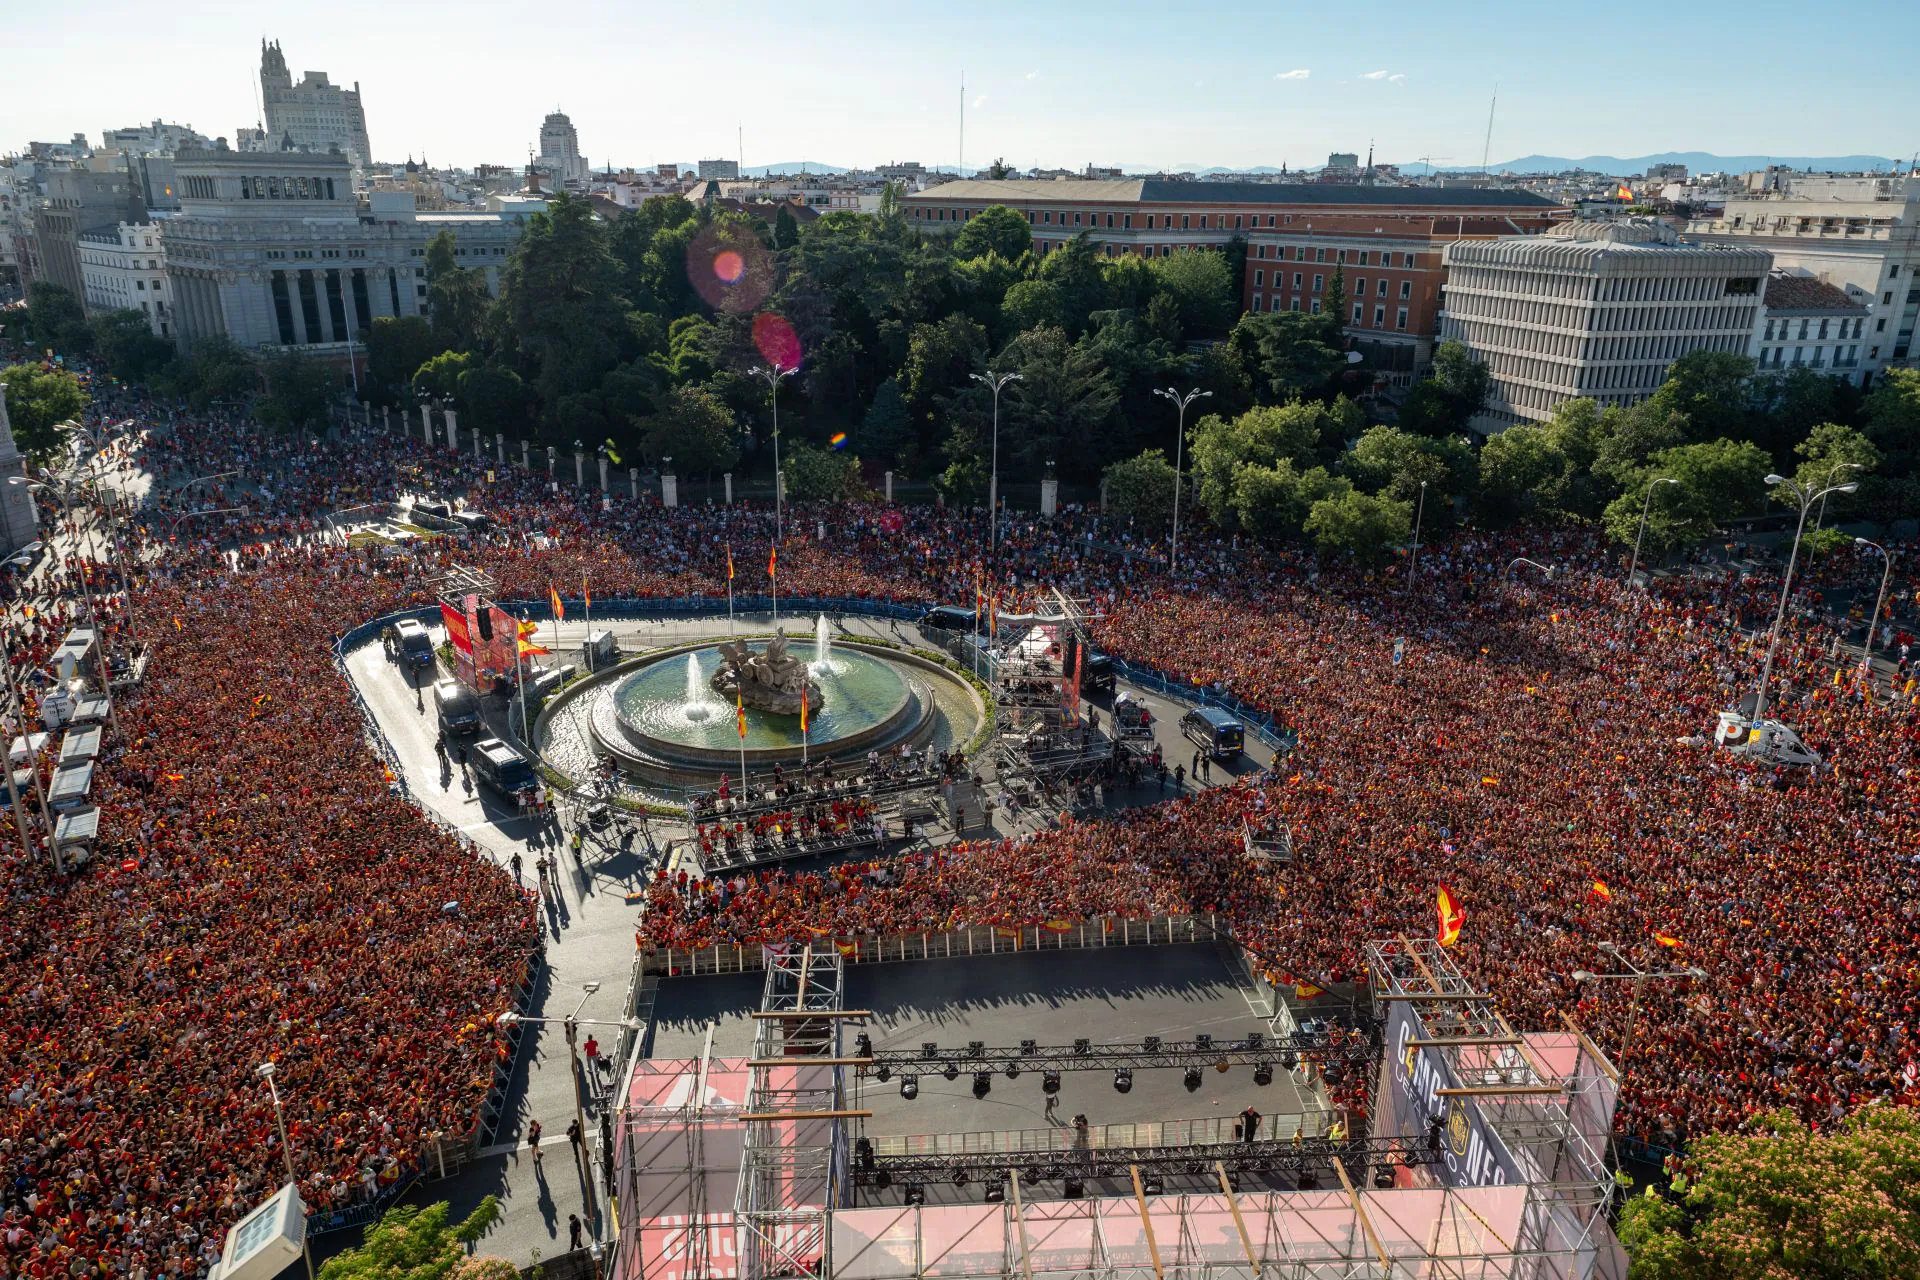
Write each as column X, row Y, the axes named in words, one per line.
column 559, row 610
column 740, row 715
column 1452, row 916
column 729, row 564
column 586, row 591
column 772, row 555
column 803, row 715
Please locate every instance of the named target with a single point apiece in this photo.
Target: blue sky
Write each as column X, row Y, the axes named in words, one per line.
column 1061, row 83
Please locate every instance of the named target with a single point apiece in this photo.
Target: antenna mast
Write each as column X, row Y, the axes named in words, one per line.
column 960, row 164
column 1487, row 147
column 740, row 145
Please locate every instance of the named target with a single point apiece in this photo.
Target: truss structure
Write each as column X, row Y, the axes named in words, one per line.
column 1037, row 672
column 1257, row 1048
column 457, row 583
column 794, row 1145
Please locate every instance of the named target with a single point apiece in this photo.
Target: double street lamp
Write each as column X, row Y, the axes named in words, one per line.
column 1180, row 403
column 996, row 382
column 1873, row 619
column 773, row 375
column 1646, row 505
column 1806, row 498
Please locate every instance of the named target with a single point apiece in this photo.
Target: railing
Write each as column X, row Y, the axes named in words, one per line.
column 968, row 940
column 1197, row 1132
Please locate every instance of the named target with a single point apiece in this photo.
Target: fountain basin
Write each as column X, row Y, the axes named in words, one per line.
column 668, row 706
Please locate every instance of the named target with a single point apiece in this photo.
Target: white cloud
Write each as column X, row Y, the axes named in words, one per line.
column 980, row 102
column 1373, row 75
column 1298, row 73
column 1033, row 75
column 1396, row 78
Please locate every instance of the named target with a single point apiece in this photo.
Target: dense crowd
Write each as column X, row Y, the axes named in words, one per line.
column 258, row 899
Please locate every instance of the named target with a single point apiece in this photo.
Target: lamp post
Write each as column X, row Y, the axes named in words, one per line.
column 572, row 1023
column 1639, row 978
column 1419, row 514
column 1506, row 574
column 552, row 453
column 1806, row 500
column 773, row 375
column 1646, row 505
column 1873, row 619
column 1180, row 403
column 997, row 382
column 265, row 1072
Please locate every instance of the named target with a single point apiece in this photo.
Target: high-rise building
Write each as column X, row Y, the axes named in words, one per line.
column 313, row 114
column 713, row 170
column 92, row 196
column 560, row 151
column 1597, row 309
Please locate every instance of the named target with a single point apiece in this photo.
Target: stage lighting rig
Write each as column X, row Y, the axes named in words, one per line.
column 1123, row 1080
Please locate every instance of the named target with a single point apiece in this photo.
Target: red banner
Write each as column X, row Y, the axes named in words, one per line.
column 456, row 624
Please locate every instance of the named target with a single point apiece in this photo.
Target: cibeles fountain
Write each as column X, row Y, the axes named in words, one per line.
column 673, row 717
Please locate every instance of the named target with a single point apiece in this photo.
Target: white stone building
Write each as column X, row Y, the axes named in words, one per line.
column 1807, row 323
column 560, row 151
column 272, row 249
column 1597, row 309
column 314, row 113
column 1858, row 234
column 125, row 268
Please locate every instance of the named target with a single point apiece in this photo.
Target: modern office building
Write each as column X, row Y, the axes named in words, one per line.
column 1599, row 309
column 314, row 113
column 124, row 268
column 714, row 170
column 1807, row 323
column 560, row 152
column 273, row 249
column 92, row 195
column 1860, row 234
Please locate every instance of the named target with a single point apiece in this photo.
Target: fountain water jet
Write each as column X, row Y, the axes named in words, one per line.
column 822, row 643
column 696, row 705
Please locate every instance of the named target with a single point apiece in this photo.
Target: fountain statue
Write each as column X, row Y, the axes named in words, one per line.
column 771, row 680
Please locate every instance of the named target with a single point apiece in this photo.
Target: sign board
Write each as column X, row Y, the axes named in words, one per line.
column 1399, row 649
column 1472, row 1154
column 265, row 1242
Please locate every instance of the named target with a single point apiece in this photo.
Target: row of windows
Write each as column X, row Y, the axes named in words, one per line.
column 1359, row 317
column 1154, row 221
column 1319, row 284
column 1345, row 257
column 1785, row 325
column 1846, row 357
column 291, row 187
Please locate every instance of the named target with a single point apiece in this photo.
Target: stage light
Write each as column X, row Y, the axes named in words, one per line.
column 982, row 1083
column 1256, row 1039
column 1050, row 1082
column 863, row 1151
column 909, row 1087
column 1151, row 1044
column 883, row 1179
column 1013, row 1071
column 1383, row 1177
column 1202, row 1041
column 1434, row 1126
column 960, row 1175
column 863, row 1045
column 1263, row 1073
column 1152, row 1183
column 883, row 1073
column 1192, row 1079
column 997, row 1191
column 1073, row 1189
column 915, row 1194
column 1221, row 1066
column 976, row 1048
column 1029, row 1047
column 1082, row 1045
column 1030, row 1176
column 951, row 1071
column 1289, row 1060
column 1123, row 1080
column 928, row 1049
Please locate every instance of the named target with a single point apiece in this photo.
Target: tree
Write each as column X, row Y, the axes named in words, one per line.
column 786, row 232
column 495, row 399
column 1274, row 501
column 412, row 1243
column 939, row 358
column 1389, row 461
column 1445, row 402
column 1288, row 353
column 824, row 475
column 38, row 401
column 1034, row 304
column 1523, row 472
column 560, row 291
column 1223, row 449
column 887, row 432
column 299, row 394
column 457, row 299
column 1142, row 487
column 1363, row 525
column 56, row 319
column 695, row 430
column 1712, row 394
column 1832, row 454
column 1781, row 1201
column 441, row 376
column 1062, row 408
column 1207, row 294
column 125, row 340
column 995, row 229
column 215, row 369
column 396, row 348
column 1334, row 302
column 1718, row 481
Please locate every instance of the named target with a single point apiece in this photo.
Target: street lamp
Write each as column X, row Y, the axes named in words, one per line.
column 265, row 1071
column 1180, row 403
column 1506, row 574
column 773, row 374
column 1645, row 506
column 989, row 379
column 1419, row 512
column 573, row 1022
column 1806, row 500
column 1873, row 619
column 1639, row 978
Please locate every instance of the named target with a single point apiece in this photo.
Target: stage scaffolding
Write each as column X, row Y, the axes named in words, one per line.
column 1037, row 675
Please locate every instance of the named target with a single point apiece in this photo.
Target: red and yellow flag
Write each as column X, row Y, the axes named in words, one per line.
column 586, row 591
column 740, row 715
column 729, row 564
column 1307, row 990
column 847, row 947
column 1452, row 916
column 559, row 610
column 803, row 715
column 773, row 556
column 1600, row 891
column 1665, row 939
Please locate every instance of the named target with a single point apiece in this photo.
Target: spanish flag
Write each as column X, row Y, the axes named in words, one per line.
column 729, row 564
column 1059, row 926
column 803, row 715
column 1600, row 891
column 773, row 556
column 1665, row 939
column 847, row 947
column 586, row 591
column 176, row 623
column 740, row 715
column 526, row 627
column 1452, row 916
column 532, row 650
column 1307, row 991
column 559, row 610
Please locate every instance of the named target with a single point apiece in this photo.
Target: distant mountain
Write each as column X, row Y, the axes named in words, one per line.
column 1696, row 162
column 790, row 166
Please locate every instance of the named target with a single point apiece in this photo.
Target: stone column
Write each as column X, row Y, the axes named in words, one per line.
column 426, row 423
column 1049, row 497
column 669, row 491
column 1103, row 495
column 500, row 448
column 889, row 488
column 366, row 415
column 633, row 479
column 453, row 430
column 386, row 419
column 579, row 469
column 603, row 474
column 524, row 464
column 727, row 479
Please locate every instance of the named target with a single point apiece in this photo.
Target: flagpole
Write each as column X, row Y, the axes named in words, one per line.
column 520, row 678
column 730, row 630
column 773, row 575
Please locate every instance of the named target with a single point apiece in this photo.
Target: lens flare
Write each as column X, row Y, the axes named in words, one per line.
column 729, row 266
column 839, row 440
column 775, row 339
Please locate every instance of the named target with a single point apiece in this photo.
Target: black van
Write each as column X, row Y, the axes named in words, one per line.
column 949, row 617
column 504, row 769
column 1214, row 731
column 459, row 709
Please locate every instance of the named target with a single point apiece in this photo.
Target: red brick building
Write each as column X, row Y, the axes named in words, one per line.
column 1386, row 240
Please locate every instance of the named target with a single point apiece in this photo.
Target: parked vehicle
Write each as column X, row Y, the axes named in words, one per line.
column 408, row 643
column 504, row 769
column 459, row 709
column 1214, row 731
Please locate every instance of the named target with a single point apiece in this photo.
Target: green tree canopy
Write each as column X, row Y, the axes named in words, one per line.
column 696, row 431
column 1207, row 295
column 1062, row 408
column 1365, row 526
column 299, row 394
column 820, row 475
column 1141, row 487
column 1831, row 455
column 1288, row 354
column 1389, row 461
column 56, row 319
column 457, row 298
column 1523, row 473
column 441, row 376
column 1444, row 403
column 125, row 340
column 215, row 369
column 38, row 401
column 888, row 432
column 1034, row 304
column 412, row 1243
column 1718, row 481
column 396, row 348
column 1711, row 393
column 995, row 229
column 1222, row 449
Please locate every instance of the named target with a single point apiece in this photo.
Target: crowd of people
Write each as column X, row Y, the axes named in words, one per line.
column 788, row 832
column 1543, row 750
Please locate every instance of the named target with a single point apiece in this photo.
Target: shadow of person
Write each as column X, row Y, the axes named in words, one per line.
column 549, row 1211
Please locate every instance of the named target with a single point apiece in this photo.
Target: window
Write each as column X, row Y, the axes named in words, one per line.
column 138, row 284
column 1886, row 299
column 1382, row 291
column 1149, row 222
column 1236, row 222
column 1406, row 288
column 1300, row 253
column 1319, row 283
column 1256, row 302
column 1316, row 306
column 1296, row 279
column 1360, row 287
column 1166, row 250
column 1400, row 321
column 1340, row 256
column 1126, row 221
column 1269, row 219
column 1319, row 255
column 1203, row 222
column 1357, row 309
column 1893, row 271
column 1185, row 221
column 1109, row 220
column 1076, row 218
column 1259, row 278
column 1296, row 304
column 1379, row 317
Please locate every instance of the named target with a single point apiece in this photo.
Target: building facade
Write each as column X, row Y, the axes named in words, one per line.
column 1859, row 234
column 123, row 268
column 313, row 113
column 714, row 170
column 80, row 198
column 1597, row 309
column 273, row 250
column 156, row 139
column 1807, row 323
column 560, row 151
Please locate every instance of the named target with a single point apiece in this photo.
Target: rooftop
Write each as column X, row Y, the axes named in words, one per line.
column 1807, row 293
column 1169, row 191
